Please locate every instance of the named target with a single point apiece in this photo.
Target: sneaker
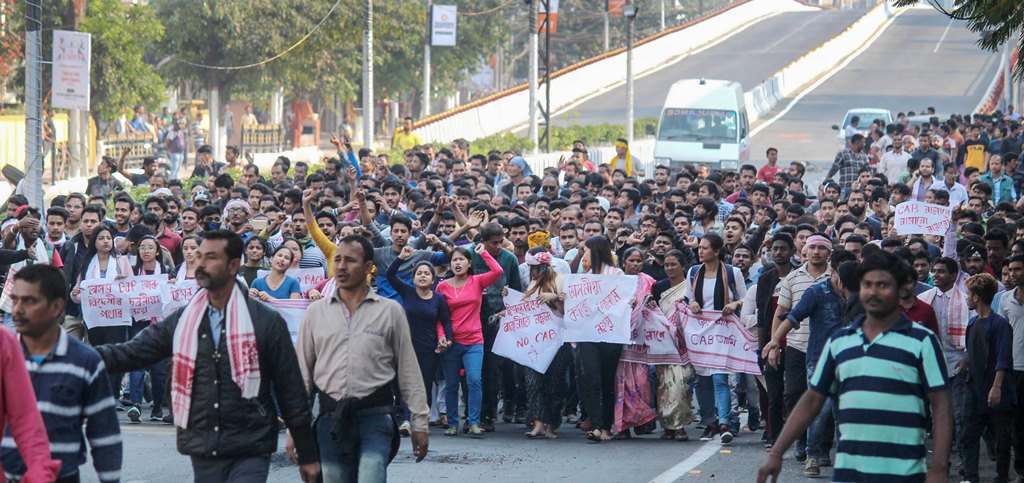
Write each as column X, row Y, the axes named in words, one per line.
column 800, row 454
column 710, row 431
column 726, row 434
column 168, row 418
column 824, row 462
column 403, row 428
column 570, row 418
column 156, row 415
column 487, row 425
column 134, row 414
column 811, row 468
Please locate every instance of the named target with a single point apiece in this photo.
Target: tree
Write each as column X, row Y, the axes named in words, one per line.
column 120, row 76
column 10, row 48
column 996, row 20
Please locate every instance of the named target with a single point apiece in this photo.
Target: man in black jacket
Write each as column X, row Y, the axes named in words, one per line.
column 72, row 253
column 229, row 437
column 782, row 247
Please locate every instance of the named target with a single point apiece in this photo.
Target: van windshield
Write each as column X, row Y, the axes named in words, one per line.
column 697, row 125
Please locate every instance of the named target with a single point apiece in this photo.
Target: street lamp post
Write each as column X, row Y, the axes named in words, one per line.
column 629, row 11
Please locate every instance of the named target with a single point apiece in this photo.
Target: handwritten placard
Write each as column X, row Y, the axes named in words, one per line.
column 143, row 295
column 104, row 303
column 530, row 333
column 176, row 295
column 597, row 307
column 655, row 339
column 308, row 278
column 292, row 310
column 717, row 341
column 920, row 218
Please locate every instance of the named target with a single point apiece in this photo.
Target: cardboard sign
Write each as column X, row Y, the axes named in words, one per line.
column 920, row 218
column 597, row 307
column 717, row 341
column 308, row 277
column 654, row 339
column 143, row 295
column 177, row 295
column 292, row 310
column 104, row 303
column 529, row 333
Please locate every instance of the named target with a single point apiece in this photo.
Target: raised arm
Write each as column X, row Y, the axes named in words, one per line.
column 494, row 268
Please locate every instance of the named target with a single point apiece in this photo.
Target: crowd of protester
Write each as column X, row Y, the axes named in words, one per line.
column 446, row 233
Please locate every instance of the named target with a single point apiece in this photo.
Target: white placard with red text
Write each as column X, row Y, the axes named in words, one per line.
column 308, row 277
column 529, row 333
column 597, row 307
column 178, row 294
column 920, row 218
column 654, row 341
column 292, row 310
column 717, row 341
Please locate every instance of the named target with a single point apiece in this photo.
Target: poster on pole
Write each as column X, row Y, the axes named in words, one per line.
column 614, row 7
column 547, row 17
column 529, row 333
column 597, row 307
column 920, row 218
column 443, row 25
column 72, row 54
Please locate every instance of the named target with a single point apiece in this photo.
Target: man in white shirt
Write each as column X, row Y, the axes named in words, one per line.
column 894, row 162
column 957, row 192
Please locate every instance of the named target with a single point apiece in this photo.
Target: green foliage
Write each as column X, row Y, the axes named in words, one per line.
column 120, row 77
column 561, row 137
column 501, row 142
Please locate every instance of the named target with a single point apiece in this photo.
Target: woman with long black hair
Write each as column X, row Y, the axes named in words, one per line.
column 714, row 285
column 598, row 361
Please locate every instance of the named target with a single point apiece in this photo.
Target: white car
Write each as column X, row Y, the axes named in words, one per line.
column 866, row 115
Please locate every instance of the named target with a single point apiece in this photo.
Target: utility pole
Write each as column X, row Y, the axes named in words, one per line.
column 533, row 74
column 630, row 13
column 33, row 182
column 368, row 74
column 661, row 3
column 425, row 102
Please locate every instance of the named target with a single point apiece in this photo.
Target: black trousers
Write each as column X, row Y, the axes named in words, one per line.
column 1018, row 425
column 244, row 469
column 110, row 335
column 795, row 384
column 545, row 392
column 776, row 408
column 999, row 425
column 598, row 362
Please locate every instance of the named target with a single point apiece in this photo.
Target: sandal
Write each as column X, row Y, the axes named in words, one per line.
column 622, row 435
column 669, row 434
column 682, row 436
column 594, row 436
column 442, row 420
column 451, row 432
column 476, row 431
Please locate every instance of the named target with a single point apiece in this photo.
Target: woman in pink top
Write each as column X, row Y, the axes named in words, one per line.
column 18, row 406
column 463, row 293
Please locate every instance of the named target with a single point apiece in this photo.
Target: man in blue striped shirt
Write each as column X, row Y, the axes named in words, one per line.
column 69, row 380
column 884, row 371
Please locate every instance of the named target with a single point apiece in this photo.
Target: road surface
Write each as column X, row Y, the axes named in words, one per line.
column 749, row 57
column 923, row 59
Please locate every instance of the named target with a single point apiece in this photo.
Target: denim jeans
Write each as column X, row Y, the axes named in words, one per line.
column 471, row 358
column 705, row 391
column 822, row 431
column 747, row 384
column 369, row 464
column 715, row 399
column 176, row 161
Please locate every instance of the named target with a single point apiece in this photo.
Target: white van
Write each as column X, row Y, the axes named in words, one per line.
column 704, row 121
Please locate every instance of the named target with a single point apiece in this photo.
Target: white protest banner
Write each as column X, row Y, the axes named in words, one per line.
column 597, row 307
column 104, row 304
column 177, row 295
column 654, row 339
column 143, row 295
column 529, row 333
column 443, row 24
column 308, row 277
column 717, row 341
column 293, row 310
column 72, row 54
column 920, row 218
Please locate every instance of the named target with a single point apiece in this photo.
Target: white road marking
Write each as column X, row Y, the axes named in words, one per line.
column 944, row 32
column 707, row 450
column 829, row 75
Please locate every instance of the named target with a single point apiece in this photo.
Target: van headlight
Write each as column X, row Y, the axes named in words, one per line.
column 662, row 160
column 728, row 164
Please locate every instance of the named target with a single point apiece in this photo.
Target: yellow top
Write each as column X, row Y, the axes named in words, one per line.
column 323, row 243
column 405, row 141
